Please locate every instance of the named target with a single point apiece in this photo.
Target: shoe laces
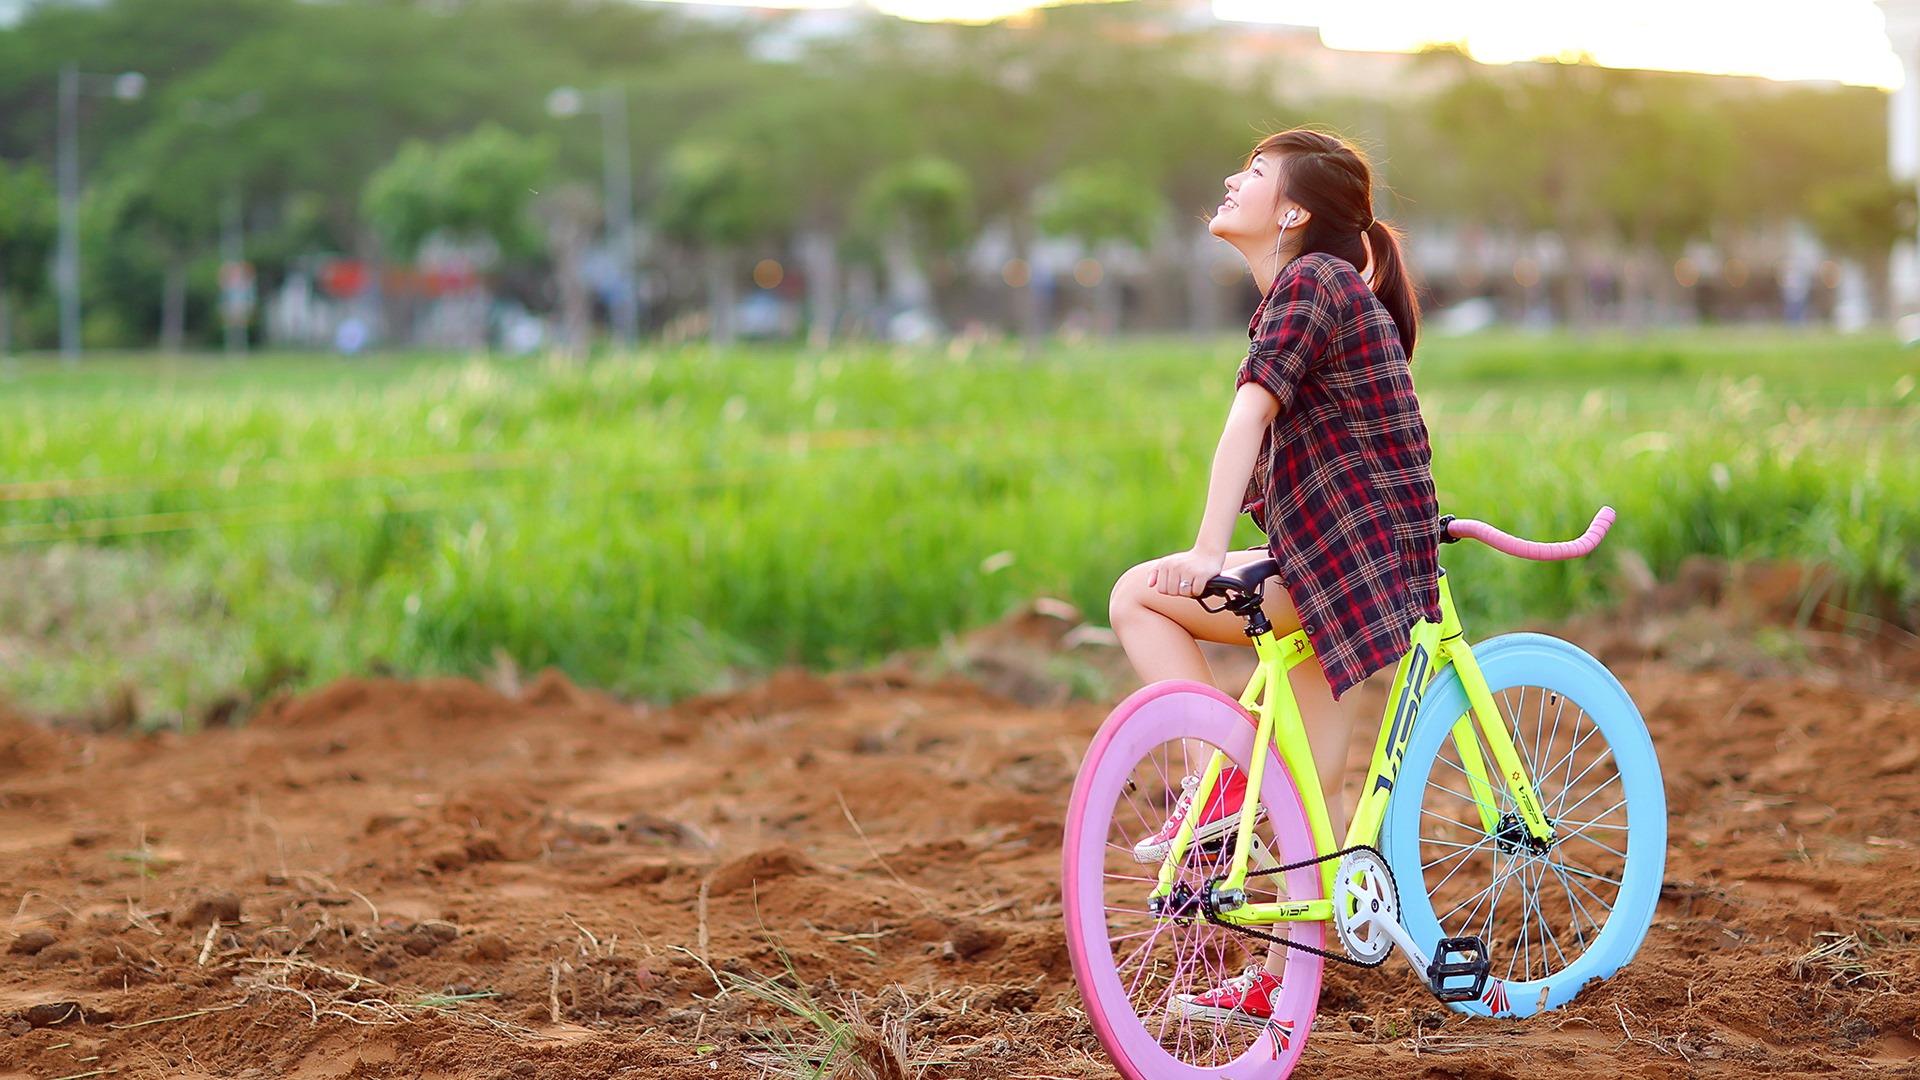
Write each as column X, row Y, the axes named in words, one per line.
column 1244, row 981
column 1187, row 787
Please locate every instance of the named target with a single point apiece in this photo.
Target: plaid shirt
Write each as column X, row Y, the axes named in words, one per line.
column 1343, row 486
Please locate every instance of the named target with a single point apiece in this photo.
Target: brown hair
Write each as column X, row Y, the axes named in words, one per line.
column 1331, row 179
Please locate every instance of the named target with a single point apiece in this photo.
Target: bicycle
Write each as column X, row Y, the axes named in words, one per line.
column 1514, row 794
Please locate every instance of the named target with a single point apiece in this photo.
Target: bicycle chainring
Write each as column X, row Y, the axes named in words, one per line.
column 1364, row 895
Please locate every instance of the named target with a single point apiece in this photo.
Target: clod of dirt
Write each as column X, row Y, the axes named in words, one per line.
column 31, row 942
column 970, row 939
column 928, row 927
column 552, row 688
column 644, row 828
column 758, row 868
column 491, row 947
column 222, row 907
column 54, row 1013
column 640, row 873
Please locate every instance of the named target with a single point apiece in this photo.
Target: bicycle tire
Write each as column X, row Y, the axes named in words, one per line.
column 1556, row 701
column 1114, row 941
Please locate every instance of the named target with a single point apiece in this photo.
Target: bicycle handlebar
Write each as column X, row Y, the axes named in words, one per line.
column 1541, row 550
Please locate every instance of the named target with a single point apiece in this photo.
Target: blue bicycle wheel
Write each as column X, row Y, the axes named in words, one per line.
column 1556, row 915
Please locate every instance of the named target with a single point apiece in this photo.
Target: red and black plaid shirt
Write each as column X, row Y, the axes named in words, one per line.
column 1343, row 486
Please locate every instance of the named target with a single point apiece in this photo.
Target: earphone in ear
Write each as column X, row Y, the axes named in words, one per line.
column 1291, row 214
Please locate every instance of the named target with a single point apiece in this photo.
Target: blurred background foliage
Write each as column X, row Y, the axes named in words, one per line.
column 869, row 144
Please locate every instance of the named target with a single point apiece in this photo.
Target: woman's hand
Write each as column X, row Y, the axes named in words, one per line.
column 1186, row 573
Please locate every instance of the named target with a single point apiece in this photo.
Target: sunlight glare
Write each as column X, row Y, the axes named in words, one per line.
column 1842, row 40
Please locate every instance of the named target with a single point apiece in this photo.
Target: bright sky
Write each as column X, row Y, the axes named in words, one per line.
column 1782, row 39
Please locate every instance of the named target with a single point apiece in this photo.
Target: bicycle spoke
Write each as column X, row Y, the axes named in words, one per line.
column 1584, row 799
column 1598, row 844
column 1463, row 864
column 1579, row 908
column 1578, row 871
column 1524, row 949
column 1596, row 823
column 1572, row 750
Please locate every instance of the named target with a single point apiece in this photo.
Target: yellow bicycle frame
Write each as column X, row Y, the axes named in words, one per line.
column 1269, row 698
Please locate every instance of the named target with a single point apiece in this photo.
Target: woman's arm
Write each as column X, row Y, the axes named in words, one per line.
column 1254, row 409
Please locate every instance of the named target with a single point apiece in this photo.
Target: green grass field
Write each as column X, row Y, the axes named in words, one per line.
column 199, row 529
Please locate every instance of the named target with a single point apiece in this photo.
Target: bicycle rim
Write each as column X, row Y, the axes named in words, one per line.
column 1133, row 966
column 1553, row 916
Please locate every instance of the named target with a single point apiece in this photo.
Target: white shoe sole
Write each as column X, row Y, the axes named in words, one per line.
column 1148, row 853
column 1184, row 1008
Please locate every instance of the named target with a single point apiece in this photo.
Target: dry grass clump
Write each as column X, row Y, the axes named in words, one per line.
column 1841, row 960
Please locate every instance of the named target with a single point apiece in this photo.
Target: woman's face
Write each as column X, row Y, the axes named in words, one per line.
column 1254, row 206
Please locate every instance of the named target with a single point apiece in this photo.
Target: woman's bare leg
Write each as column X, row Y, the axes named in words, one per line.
column 1160, row 634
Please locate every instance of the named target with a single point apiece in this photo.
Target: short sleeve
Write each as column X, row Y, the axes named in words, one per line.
column 1295, row 326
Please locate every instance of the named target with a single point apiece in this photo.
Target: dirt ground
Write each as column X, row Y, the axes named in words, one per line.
column 450, row 879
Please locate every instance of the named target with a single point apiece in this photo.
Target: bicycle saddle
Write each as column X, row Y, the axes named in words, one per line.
column 1243, row 579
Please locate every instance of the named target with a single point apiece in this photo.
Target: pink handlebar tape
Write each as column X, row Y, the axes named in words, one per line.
column 1534, row 549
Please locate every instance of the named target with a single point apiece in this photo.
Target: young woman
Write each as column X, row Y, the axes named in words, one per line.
column 1325, row 447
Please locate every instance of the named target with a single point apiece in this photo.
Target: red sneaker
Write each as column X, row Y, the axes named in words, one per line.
column 1246, row 1000
column 1220, row 817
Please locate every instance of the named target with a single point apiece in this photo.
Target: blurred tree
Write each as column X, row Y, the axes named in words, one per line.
column 569, row 213
column 913, row 213
column 475, row 192
column 1103, row 206
column 160, row 225
column 164, row 39
column 1863, row 218
column 826, row 134
column 1063, row 88
column 716, row 197
column 27, row 231
column 1604, row 158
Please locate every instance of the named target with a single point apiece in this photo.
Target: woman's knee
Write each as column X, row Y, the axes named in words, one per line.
column 1129, row 597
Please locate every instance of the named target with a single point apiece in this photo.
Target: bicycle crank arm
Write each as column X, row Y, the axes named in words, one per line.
column 1457, row 971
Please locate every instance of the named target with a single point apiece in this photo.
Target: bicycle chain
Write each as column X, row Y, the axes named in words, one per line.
column 1300, row 946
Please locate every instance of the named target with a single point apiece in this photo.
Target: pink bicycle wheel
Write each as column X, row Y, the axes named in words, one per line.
column 1135, row 967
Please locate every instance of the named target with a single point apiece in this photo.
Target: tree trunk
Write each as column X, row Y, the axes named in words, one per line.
column 907, row 287
column 1203, row 292
column 570, row 213
column 1879, row 269
column 173, row 302
column 576, row 307
column 1106, row 298
column 479, row 305
column 820, row 262
column 721, row 295
column 1029, row 311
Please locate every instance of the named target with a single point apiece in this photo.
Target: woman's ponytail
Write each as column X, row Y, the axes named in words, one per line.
column 1391, row 284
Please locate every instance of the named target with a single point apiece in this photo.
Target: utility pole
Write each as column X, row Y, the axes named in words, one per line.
column 127, row 86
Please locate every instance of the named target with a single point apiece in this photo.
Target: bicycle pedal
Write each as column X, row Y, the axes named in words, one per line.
column 1454, row 960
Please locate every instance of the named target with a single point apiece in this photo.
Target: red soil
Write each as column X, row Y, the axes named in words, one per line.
column 319, row 893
